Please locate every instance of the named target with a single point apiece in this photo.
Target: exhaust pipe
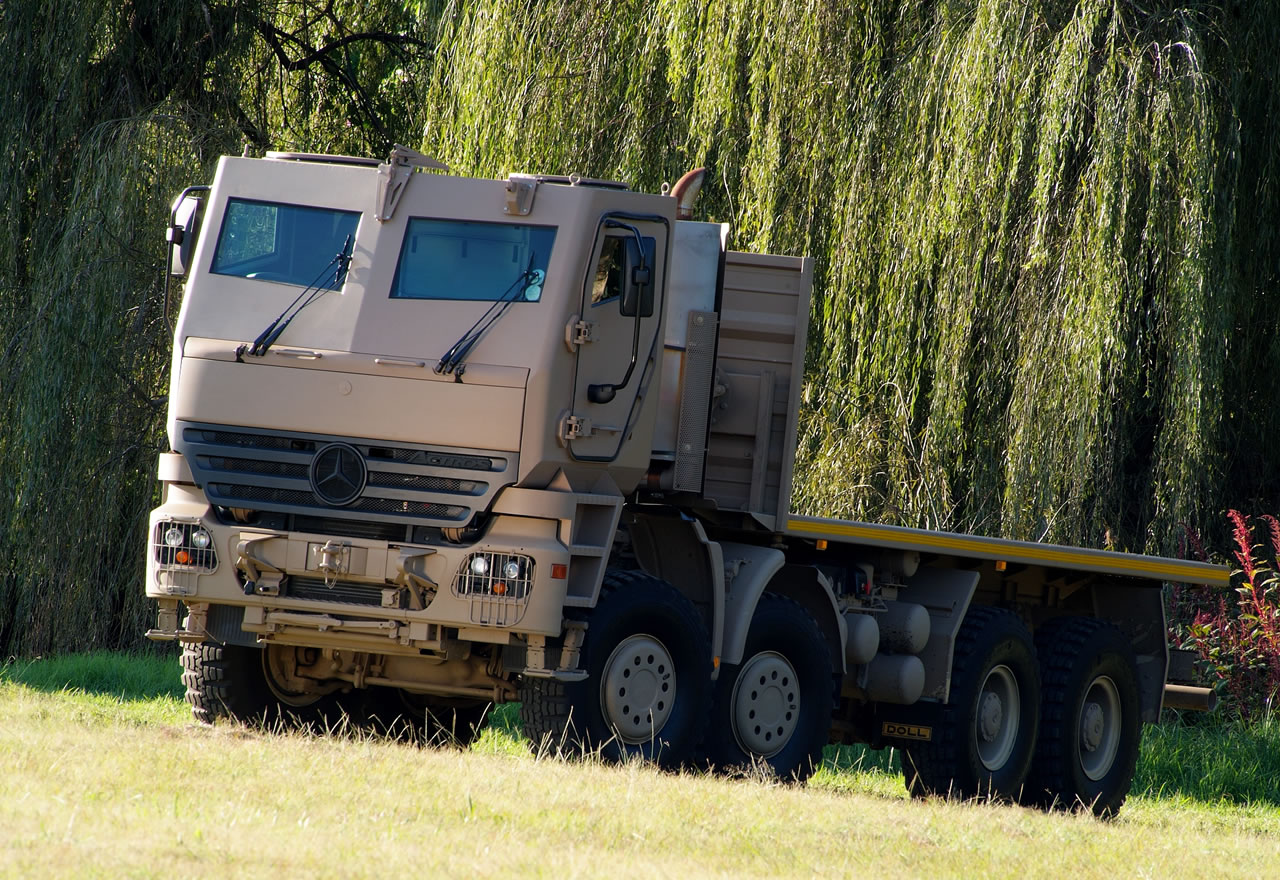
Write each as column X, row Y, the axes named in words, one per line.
column 686, row 192
column 1197, row 699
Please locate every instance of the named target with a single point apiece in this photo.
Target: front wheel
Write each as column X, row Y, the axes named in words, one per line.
column 774, row 708
column 225, row 681
column 1091, row 727
column 648, row 663
column 983, row 745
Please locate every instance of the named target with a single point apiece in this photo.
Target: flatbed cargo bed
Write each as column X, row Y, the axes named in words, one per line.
column 1025, row 552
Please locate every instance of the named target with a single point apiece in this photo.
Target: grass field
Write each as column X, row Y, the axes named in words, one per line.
column 106, row 776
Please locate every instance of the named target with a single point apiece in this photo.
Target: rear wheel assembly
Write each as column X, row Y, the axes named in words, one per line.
column 1090, row 709
column 984, row 743
column 774, row 708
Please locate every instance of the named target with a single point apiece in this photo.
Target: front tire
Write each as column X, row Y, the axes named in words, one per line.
column 648, row 663
column 1091, row 728
column 984, row 743
column 775, row 707
column 225, row 681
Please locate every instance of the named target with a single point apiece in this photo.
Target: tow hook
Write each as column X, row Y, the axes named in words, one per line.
column 333, row 561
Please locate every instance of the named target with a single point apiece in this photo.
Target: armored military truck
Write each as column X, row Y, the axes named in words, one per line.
column 438, row 443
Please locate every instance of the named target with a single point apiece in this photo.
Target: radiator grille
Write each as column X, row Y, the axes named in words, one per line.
column 406, row 485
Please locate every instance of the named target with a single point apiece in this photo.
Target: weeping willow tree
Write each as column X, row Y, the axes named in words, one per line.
column 1043, row 231
column 109, row 110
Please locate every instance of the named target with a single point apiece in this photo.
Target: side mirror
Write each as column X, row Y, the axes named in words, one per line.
column 637, row 277
column 184, row 229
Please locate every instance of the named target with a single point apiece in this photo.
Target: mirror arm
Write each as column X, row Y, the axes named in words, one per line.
column 605, row 392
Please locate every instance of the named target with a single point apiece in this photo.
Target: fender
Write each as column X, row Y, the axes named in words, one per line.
column 748, row 570
column 678, row 550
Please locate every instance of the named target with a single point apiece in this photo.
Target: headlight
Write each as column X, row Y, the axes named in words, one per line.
column 489, row 575
column 184, row 546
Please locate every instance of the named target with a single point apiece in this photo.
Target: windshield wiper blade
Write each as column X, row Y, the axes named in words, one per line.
column 333, row 280
column 452, row 360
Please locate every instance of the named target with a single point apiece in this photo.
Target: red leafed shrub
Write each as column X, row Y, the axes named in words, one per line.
column 1237, row 633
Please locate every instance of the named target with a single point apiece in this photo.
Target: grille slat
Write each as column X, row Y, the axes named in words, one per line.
column 346, row 592
column 231, row 494
column 409, row 483
column 351, row 528
column 251, row 466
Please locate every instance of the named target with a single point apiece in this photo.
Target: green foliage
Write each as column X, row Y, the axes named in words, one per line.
column 1236, row 633
column 1211, row 762
column 110, row 110
column 122, row 676
column 1043, row 234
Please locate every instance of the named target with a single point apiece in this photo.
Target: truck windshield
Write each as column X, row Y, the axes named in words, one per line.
column 268, row 241
column 457, row 259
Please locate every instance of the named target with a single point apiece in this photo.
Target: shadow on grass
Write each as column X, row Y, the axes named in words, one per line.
column 125, row 676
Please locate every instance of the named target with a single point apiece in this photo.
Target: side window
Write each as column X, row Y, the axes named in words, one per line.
column 607, row 284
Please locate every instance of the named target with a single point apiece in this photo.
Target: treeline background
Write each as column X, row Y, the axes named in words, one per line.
column 1044, row 232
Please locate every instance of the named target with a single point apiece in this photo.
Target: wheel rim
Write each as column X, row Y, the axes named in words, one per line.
column 998, row 717
column 638, row 688
column 765, row 706
column 277, row 668
column 1100, row 719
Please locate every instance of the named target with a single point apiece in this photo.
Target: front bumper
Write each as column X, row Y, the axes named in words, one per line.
column 367, row 592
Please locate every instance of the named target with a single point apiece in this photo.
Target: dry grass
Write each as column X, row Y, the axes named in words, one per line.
column 101, row 786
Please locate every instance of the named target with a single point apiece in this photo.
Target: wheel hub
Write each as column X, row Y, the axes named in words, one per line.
column 990, row 716
column 1091, row 726
column 997, row 719
column 638, row 689
column 765, row 706
column 1101, row 718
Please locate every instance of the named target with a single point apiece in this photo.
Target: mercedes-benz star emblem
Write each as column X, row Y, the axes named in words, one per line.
column 338, row 474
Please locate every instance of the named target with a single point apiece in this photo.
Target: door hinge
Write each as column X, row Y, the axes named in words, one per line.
column 578, row 332
column 579, row 427
column 575, row 428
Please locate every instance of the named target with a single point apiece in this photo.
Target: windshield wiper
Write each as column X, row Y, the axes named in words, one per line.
column 327, row 280
column 451, row 362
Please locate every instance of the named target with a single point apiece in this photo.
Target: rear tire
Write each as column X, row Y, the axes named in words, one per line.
column 983, row 745
column 648, row 663
column 774, row 708
column 1091, row 727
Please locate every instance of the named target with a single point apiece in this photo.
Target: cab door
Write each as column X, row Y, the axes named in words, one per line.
column 617, row 334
